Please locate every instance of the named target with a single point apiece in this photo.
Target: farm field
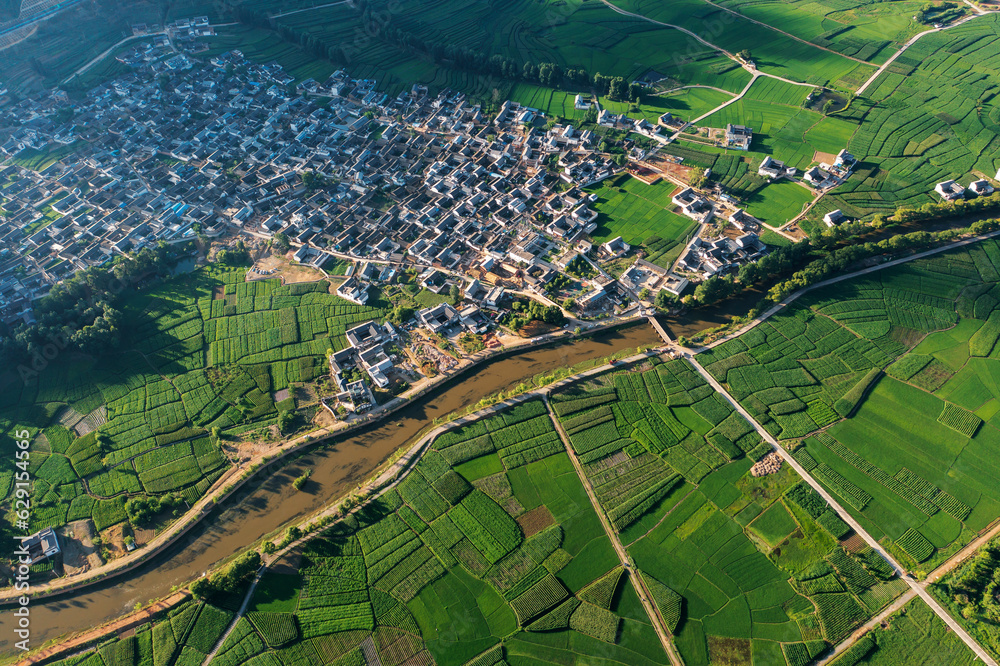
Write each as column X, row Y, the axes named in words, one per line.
column 782, row 128
column 629, row 208
column 202, row 351
column 907, row 453
column 777, row 53
column 778, row 202
column 686, row 104
column 913, row 635
column 691, row 103
column 488, row 547
column 751, row 558
column 904, row 150
column 863, row 31
column 572, row 35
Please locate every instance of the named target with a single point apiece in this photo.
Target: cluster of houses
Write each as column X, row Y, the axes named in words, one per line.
column 707, row 258
column 230, row 147
column 951, row 190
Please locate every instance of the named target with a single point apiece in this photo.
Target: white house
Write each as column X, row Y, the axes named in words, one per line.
column 950, row 190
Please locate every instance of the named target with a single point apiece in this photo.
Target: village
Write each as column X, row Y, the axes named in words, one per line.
column 494, row 205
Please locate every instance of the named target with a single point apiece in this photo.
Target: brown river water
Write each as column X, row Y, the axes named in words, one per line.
column 269, row 502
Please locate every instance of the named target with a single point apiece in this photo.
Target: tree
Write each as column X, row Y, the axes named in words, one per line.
column 553, row 315
column 280, row 241
column 454, row 294
column 713, row 289
column 285, row 419
column 569, row 303
column 228, row 580
column 745, row 55
column 644, row 294
column 300, row 482
column 400, row 314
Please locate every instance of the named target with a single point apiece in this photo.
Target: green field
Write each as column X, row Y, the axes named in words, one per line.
column 745, row 561
column 490, row 549
column 911, row 461
column 907, row 150
column 857, row 29
column 774, row 52
column 202, row 351
column 782, row 128
column 629, row 208
column 913, row 636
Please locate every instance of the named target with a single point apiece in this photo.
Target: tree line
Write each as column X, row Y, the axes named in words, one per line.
column 82, row 313
column 383, row 26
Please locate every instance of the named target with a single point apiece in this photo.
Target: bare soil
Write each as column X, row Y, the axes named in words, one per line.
column 535, row 520
column 288, row 272
column 535, row 328
column 77, row 542
column 113, row 539
column 824, row 157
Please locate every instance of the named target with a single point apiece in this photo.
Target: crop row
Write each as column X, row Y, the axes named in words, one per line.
column 275, row 628
column 915, row 544
column 946, row 502
column 960, row 419
column 488, row 527
column 582, row 421
column 838, row 614
column 543, row 595
column 878, row 475
column 332, row 619
column 595, row 622
column 667, row 601
column 852, row 572
column 852, row 494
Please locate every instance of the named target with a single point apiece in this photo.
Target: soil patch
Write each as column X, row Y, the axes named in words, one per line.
column 534, row 328
column 535, row 520
column 77, row 542
column 824, row 157
column 854, row 543
column 113, row 539
column 276, row 266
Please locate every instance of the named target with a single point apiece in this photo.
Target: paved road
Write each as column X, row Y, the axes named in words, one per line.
column 913, row 40
column 949, row 565
column 640, row 586
column 309, row 9
column 847, row 518
column 778, row 307
column 786, row 34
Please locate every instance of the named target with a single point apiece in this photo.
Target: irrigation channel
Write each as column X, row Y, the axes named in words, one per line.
column 265, row 506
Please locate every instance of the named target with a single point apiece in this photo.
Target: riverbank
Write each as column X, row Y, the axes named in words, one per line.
column 235, row 477
column 264, row 507
column 314, row 525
